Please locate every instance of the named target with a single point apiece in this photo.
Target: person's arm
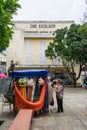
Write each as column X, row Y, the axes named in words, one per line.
column 55, row 89
column 62, row 89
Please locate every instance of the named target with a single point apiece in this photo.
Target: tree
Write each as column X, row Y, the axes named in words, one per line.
column 7, row 9
column 71, row 47
column 83, row 31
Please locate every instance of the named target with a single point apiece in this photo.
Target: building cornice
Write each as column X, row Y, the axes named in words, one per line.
column 54, row 21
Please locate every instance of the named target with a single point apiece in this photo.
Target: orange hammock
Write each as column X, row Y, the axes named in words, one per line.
column 22, row 103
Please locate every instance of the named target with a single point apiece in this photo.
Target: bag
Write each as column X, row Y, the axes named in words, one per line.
column 52, row 102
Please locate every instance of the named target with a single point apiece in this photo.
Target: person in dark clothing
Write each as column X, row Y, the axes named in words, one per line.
column 11, row 68
column 12, row 65
column 59, row 89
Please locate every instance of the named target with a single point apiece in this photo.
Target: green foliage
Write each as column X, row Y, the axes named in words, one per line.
column 83, row 31
column 50, row 53
column 7, row 9
column 71, row 45
column 72, row 41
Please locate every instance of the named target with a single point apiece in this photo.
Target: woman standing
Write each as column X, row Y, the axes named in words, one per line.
column 59, row 89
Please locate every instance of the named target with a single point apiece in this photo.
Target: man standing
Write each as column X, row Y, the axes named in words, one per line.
column 11, row 68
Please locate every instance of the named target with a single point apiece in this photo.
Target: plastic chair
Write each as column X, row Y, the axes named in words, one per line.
column 5, row 102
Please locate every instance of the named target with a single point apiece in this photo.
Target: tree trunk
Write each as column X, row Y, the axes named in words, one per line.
column 74, row 83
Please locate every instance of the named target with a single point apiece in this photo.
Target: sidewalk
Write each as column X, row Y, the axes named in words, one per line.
column 74, row 116
column 6, row 116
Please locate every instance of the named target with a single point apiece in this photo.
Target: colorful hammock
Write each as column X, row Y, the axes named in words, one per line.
column 22, row 103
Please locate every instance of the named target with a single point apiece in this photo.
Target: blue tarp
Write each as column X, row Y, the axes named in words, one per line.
column 29, row 73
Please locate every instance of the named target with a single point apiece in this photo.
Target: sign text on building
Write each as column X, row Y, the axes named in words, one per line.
column 42, row 26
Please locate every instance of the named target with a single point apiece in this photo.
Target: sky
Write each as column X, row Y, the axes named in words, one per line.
column 51, row 10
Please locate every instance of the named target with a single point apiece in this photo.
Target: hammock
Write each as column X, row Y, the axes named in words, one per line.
column 22, row 103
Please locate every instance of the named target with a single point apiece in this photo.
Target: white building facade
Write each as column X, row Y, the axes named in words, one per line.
column 29, row 42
